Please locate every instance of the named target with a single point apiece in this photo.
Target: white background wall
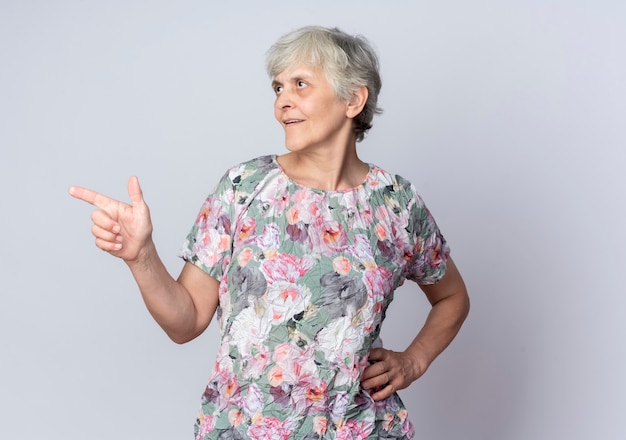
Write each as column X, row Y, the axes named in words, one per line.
column 509, row 117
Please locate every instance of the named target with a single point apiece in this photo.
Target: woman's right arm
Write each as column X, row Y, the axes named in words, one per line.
column 183, row 307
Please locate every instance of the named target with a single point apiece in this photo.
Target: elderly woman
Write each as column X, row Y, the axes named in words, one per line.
column 299, row 255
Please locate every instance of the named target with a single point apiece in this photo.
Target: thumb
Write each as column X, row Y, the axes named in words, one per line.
column 134, row 191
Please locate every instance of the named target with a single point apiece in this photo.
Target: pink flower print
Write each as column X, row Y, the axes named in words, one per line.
column 276, row 198
column 337, row 407
column 374, row 178
column 402, row 243
column 275, row 376
column 312, row 210
column 309, row 396
column 327, row 237
column 231, row 387
column 244, row 256
column 408, row 254
column 235, row 417
column 293, row 215
column 439, row 253
column 248, row 226
column 205, row 212
column 284, row 300
column 308, row 202
column 286, row 267
column 253, row 401
column 320, row 424
column 387, row 423
column 342, row 265
column 269, row 428
column 269, row 239
column 289, row 293
column 282, row 352
column 316, row 392
column 212, row 216
column 407, row 426
column 280, row 202
column 299, row 197
column 382, row 214
column 292, row 366
column 210, row 247
column 334, row 236
column 207, row 424
column 228, row 197
column 361, row 251
column 256, row 360
column 381, row 231
column 223, row 362
column 378, row 281
column 382, row 228
column 354, row 429
column 366, row 215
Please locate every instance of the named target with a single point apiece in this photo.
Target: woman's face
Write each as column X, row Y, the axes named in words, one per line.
column 309, row 111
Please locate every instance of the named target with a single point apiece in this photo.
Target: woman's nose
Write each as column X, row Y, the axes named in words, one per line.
column 283, row 100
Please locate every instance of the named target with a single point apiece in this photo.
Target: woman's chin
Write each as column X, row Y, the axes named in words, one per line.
column 293, row 147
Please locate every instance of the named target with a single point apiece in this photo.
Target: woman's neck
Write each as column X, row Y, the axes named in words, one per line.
column 331, row 172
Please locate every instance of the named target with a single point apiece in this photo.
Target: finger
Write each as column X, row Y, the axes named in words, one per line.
column 108, row 246
column 104, row 221
column 379, row 386
column 384, row 393
column 374, row 378
column 134, row 191
column 374, row 370
column 105, row 235
column 377, row 354
column 91, row 197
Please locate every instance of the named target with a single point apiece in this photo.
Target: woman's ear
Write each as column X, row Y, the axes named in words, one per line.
column 357, row 102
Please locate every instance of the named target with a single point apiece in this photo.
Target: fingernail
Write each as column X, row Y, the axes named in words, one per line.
column 118, row 246
column 116, row 229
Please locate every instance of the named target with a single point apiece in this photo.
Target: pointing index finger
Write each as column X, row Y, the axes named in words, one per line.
column 92, row 197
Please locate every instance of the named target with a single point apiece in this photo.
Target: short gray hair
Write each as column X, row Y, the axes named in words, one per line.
column 348, row 61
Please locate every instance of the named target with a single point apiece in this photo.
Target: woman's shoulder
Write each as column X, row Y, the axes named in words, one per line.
column 251, row 172
column 260, row 164
column 391, row 183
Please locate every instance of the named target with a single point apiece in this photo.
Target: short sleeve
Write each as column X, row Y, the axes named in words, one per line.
column 430, row 250
column 208, row 244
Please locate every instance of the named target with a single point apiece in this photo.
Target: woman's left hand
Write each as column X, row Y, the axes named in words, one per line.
column 390, row 371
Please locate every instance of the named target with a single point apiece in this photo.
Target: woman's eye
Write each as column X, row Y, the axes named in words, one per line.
column 278, row 89
column 301, row 84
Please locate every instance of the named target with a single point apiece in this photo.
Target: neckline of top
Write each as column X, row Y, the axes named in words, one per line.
column 359, row 187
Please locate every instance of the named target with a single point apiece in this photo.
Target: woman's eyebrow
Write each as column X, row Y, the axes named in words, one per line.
column 296, row 77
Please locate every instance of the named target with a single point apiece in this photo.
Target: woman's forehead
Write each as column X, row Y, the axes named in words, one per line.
column 300, row 71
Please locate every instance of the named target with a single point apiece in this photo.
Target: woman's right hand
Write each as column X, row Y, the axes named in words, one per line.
column 123, row 230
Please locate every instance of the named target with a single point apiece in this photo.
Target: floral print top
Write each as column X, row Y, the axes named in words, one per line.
column 305, row 279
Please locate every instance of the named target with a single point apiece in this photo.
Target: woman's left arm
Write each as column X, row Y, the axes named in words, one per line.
column 393, row 371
